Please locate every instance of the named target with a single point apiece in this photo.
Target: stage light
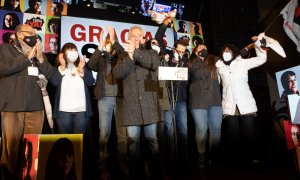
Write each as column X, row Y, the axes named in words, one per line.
column 134, row 11
column 89, row 4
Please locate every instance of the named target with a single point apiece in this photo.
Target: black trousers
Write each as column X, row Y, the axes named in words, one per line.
column 237, row 139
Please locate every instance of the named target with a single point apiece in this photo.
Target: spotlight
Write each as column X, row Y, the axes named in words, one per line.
column 134, row 11
column 88, row 4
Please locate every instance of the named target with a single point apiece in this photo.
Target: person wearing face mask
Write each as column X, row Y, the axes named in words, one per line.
column 177, row 104
column 177, row 113
column 137, row 69
column 107, row 92
column 72, row 108
column 238, row 103
column 205, row 103
column 21, row 102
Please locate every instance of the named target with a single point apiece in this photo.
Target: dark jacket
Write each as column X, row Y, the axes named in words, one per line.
column 98, row 63
column 180, row 87
column 139, row 78
column 18, row 90
column 88, row 81
column 203, row 90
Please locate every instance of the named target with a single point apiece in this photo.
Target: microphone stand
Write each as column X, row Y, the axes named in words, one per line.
column 173, row 98
column 173, row 104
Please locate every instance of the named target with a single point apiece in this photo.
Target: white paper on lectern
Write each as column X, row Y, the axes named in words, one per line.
column 294, row 107
column 173, row 73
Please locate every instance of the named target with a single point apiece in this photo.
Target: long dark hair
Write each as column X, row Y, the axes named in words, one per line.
column 15, row 23
column 60, row 149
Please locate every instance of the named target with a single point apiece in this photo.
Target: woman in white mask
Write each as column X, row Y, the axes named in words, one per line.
column 72, row 100
column 238, row 103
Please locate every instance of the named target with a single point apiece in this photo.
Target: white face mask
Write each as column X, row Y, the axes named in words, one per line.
column 72, row 55
column 227, row 56
column 155, row 47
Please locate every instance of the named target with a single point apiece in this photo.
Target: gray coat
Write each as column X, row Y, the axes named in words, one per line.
column 140, row 105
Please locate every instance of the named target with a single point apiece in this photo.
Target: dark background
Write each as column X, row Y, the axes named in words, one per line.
column 223, row 21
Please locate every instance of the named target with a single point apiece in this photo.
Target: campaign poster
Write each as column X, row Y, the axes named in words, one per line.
column 10, row 19
column 38, row 22
column 292, row 134
column 85, row 33
column 13, row 5
column 6, row 36
column 60, row 155
column 191, row 32
column 56, row 8
column 286, row 80
column 294, row 108
column 29, row 156
column 35, row 7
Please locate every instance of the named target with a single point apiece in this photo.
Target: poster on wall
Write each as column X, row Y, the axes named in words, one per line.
column 10, row 19
column 35, row 6
column 60, row 155
column 286, row 81
column 6, row 36
column 288, row 91
column 292, row 134
column 294, row 108
column 191, row 32
column 13, row 5
column 56, row 8
column 86, row 33
column 29, row 156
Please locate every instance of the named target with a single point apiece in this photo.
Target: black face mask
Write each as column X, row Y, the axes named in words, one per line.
column 30, row 40
column 203, row 53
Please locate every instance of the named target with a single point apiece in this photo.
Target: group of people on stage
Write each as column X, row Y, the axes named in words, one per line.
column 127, row 87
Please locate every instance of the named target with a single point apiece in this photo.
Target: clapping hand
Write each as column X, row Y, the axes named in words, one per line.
column 129, row 48
column 111, row 32
column 101, row 42
column 39, row 52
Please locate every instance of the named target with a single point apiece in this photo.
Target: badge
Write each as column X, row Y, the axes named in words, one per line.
column 33, row 71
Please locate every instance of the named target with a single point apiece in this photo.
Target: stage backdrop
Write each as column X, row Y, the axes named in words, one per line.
column 85, row 33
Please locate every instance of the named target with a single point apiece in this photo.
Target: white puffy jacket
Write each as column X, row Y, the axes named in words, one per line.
column 236, row 90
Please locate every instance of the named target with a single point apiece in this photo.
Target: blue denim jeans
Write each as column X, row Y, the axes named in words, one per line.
column 72, row 122
column 134, row 136
column 107, row 107
column 205, row 119
column 182, row 131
